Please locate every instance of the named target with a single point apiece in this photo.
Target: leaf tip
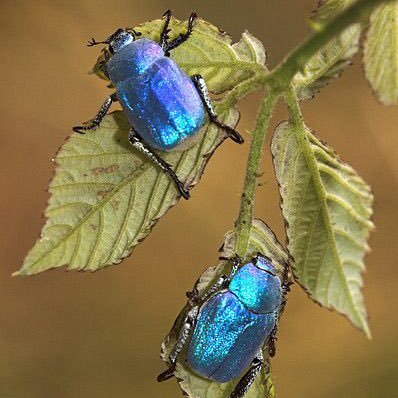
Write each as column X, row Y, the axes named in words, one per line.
column 16, row 273
column 364, row 327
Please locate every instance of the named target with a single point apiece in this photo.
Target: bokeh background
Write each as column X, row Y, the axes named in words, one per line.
column 97, row 335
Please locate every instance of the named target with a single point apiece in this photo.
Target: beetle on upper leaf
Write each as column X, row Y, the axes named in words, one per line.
column 225, row 329
column 163, row 105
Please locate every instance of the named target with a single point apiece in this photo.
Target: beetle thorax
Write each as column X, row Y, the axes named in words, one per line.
column 257, row 289
column 120, row 39
column 133, row 59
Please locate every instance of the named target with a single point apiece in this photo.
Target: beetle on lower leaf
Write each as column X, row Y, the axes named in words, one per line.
column 164, row 106
column 225, row 330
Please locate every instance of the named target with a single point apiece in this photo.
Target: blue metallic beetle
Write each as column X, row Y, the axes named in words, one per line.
column 163, row 105
column 225, row 329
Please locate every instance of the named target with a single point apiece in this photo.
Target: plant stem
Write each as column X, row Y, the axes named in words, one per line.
column 244, row 221
column 278, row 83
column 281, row 77
column 359, row 12
column 255, row 83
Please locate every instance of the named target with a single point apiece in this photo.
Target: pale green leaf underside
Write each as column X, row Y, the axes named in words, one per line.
column 262, row 240
column 329, row 62
column 327, row 207
column 211, row 53
column 381, row 53
column 105, row 197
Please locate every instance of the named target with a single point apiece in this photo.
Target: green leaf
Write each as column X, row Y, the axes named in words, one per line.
column 329, row 62
column 381, row 53
column 105, row 197
column 327, row 208
column 210, row 53
column 262, row 240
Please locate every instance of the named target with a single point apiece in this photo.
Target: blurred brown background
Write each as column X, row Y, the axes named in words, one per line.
column 97, row 335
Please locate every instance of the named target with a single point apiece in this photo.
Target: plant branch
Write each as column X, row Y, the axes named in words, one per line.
column 284, row 73
column 244, row 221
column 255, row 83
column 281, row 77
column 278, row 83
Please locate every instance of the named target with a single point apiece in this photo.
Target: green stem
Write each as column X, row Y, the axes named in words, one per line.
column 359, row 12
column 255, row 83
column 244, row 222
column 278, row 83
column 295, row 114
column 281, row 77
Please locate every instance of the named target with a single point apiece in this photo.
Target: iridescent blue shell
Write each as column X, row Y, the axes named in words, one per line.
column 227, row 337
column 159, row 99
column 258, row 289
column 233, row 325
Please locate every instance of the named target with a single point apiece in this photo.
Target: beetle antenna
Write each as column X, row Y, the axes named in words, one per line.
column 92, row 42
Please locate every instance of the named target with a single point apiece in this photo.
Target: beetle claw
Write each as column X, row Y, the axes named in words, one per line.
column 192, row 17
column 167, row 14
column 184, row 192
column 234, row 135
column 167, row 374
column 91, row 42
column 79, row 129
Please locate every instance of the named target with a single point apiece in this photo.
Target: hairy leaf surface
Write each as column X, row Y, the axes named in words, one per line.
column 381, row 53
column 327, row 207
column 262, row 240
column 105, row 197
column 329, row 62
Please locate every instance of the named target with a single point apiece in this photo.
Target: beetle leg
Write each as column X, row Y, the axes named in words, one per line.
column 95, row 122
column 192, row 295
column 287, row 282
column 204, row 94
column 185, row 332
column 236, row 263
column 221, row 283
column 168, row 46
column 248, row 378
column 137, row 142
column 272, row 338
column 103, row 65
column 164, row 36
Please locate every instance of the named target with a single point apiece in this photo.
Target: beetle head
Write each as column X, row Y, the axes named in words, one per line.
column 117, row 40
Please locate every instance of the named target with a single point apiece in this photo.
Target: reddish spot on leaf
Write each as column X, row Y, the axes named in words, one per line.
column 102, row 194
column 101, row 170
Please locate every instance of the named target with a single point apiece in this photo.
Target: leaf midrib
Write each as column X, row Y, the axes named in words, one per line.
column 303, row 83
column 102, row 203
column 92, row 211
column 306, row 148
